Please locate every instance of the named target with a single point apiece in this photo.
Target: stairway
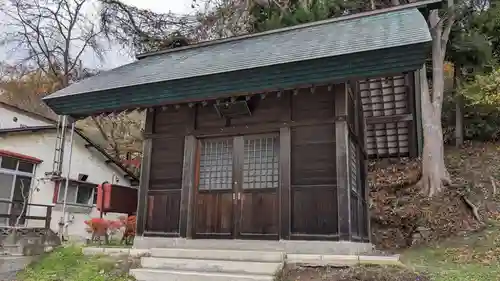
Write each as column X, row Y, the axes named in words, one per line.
column 187, row 264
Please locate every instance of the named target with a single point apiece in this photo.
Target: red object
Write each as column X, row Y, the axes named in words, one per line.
column 130, row 226
column 99, row 226
column 115, row 224
column 133, row 162
column 116, row 199
column 57, row 184
column 20, row 156
column 103, row 197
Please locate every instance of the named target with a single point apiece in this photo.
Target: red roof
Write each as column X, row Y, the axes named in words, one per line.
column 20, row 156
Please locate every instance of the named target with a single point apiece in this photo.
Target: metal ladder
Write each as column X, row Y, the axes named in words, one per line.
column 59, row 146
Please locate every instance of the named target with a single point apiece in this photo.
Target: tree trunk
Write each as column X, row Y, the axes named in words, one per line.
column 434, row 172
column 459, row 115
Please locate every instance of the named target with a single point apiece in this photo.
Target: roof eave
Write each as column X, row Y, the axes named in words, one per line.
column 278, row 78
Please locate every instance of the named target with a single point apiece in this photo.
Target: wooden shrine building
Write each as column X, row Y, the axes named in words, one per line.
column 260, row 136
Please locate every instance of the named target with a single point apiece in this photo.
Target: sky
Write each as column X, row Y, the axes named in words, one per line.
column 176, row 6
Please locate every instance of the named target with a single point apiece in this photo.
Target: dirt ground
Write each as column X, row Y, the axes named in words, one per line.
column 361, row 273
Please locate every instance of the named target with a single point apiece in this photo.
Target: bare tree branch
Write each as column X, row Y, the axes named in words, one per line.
column 54, row 34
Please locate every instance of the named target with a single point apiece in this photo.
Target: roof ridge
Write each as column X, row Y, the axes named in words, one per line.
column 417, row 4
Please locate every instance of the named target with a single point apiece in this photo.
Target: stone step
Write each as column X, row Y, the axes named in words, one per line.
column 211, row 254
column 288, row 246
column 205, row 265
column 145, row 274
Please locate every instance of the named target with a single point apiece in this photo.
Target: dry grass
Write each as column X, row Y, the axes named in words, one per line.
column 358, row 273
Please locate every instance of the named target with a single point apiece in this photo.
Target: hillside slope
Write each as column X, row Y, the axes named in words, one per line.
column 401, row 216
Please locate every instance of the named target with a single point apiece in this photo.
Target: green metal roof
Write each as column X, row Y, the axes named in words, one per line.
column 357, row 45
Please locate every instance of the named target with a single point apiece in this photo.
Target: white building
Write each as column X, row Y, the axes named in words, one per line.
column 27, row 145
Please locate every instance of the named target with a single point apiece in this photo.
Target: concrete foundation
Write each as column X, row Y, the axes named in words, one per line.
column 286, row 246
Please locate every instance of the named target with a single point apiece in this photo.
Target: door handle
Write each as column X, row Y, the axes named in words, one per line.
column 239, row 196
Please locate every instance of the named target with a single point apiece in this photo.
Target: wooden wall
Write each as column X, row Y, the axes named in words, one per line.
column 308, row 204
column 313, row 172
column 164, row 194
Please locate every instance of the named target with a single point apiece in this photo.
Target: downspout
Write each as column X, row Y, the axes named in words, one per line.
column 103, row 199
column 59, row 165
column 63, row 218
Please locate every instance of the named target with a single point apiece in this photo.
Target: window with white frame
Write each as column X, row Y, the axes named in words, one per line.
column 78, row 193
column 15, row 183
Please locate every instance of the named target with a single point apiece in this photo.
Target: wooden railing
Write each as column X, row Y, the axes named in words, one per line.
column 16, row 208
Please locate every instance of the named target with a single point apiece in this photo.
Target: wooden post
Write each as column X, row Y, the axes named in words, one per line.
column 285, row 188
column 48, row 217
column 411, row 100
column 418, row 76
column 364, row 212
column 188, row 174
column 342, row 141
column 142, row 195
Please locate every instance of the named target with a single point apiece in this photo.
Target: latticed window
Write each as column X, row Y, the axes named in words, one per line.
column 216, row 164
column 381, row 98
column 260, row 168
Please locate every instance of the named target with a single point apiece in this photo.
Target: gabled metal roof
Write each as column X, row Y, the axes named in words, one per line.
column 368, row 44
column 330, row 38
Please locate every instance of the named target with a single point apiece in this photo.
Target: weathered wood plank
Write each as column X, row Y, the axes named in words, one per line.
column 259, row 214
column 143, row 186
column 167, row 163
column 314, row 210
column 214, row 215
column 163, row 211
column 257, row 129
column 309, row 106
column 314, row 145
column 285, row 184
column 313, row 174
column 342, row 134
column 412, row 134
column 187, row 182
column 238, row 159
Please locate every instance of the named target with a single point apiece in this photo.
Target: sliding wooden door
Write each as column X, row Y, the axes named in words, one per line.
column 237, row 188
